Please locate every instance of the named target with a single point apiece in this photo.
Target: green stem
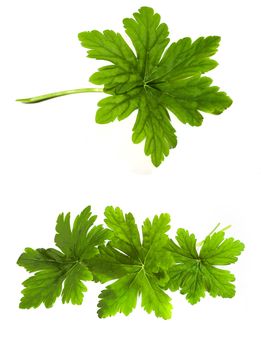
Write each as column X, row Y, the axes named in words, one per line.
column 214, row 230
column 226, row 228
column 57, row 94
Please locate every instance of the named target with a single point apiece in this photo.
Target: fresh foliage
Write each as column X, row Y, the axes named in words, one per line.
column 196, row 272
column 143, row 265
column 153, row 79
column 137, row 266
column 61, row 272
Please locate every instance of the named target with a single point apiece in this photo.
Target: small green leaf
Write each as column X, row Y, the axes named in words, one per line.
column 196, row 273
column 62, row 272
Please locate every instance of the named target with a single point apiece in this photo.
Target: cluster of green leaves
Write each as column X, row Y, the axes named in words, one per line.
column 145, row 266
column 154, row 79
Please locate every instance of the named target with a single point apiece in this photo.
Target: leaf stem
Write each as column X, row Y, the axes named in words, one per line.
column 214, row 230
column 41, row 98
column 226, row 228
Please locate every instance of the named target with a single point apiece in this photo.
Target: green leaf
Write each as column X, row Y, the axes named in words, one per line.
column 116, row 106
column 185, row 98
column 155, row 239
column 62, row 272
column 154, row 80
column 49, row 283
column 153, row 124
column 44, row 287
column 120, row 296
column 195, row 272
column 125, row 231
column 135, row 265
column 73, row 288
column 153, row 297
column 110, row 46
column 149, row 37
column 39, row 259
column 185, row 59
column 112, row 264
column 220, row 251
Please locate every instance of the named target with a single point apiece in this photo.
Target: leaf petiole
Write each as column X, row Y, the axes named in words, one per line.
column 214, row 229
column 199, row 244
column 45, row 97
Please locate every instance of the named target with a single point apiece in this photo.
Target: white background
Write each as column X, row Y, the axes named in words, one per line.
column 55, row 158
